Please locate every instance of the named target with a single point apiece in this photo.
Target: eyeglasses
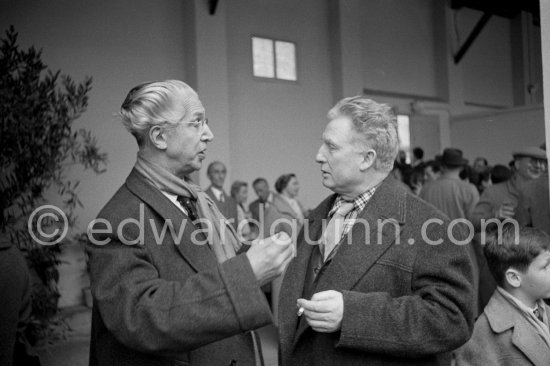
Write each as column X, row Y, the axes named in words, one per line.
column 198, row 124
column 536, row 161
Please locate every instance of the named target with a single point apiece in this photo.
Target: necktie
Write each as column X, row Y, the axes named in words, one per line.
column 538, row 313
column 333, row 232
column 189, row 205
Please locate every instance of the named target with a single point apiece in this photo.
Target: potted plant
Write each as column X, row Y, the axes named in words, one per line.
column 38, row 143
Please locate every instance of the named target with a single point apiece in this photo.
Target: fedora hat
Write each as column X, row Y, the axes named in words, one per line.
column 453, row 157
column 530, row 151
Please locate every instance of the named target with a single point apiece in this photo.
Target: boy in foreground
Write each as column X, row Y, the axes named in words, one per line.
column 513, row 329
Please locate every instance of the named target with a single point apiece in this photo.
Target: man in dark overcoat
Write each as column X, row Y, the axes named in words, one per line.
column 171, row 283
column 381, row 277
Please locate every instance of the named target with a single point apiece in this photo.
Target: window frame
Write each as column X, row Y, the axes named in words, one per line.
column 275, row 78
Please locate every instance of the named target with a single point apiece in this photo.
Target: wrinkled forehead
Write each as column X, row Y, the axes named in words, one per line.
column 339, row 130
column 191, row 103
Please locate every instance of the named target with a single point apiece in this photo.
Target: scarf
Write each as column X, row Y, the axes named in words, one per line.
column 222, row 238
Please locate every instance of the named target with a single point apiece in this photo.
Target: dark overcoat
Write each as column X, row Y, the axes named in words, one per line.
column 166, row 301
column 406, row 302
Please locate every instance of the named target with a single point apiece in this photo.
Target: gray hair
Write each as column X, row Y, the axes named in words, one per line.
column 160, row 103
column 376, row 124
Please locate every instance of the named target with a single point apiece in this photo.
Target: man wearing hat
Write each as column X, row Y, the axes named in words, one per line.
column 500, row 200
column 534, row 203
column 455, row 197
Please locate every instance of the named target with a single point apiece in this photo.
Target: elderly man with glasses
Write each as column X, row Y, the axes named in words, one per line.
column 170, row 279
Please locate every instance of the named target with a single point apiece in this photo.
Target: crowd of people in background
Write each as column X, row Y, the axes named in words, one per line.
column 270, row 207
column 420, row 172
column 479, row 192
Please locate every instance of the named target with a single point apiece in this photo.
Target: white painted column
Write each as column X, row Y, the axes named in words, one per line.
column 545, row 30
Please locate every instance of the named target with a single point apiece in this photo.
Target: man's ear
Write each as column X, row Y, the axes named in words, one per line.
column 369, row 158
column 513, row 277
column 157, row 136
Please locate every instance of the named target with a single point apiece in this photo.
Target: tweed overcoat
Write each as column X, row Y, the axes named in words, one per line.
column 408, row 297
column 157, row 302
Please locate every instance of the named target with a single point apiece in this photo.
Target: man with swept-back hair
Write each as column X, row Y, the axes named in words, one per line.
column 376, row 280
column 170, row 280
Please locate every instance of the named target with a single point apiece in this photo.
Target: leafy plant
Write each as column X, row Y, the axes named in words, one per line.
column 37, row 145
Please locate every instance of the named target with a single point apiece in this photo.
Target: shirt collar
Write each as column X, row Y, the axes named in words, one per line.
column 359, row 203
column 520, row 305
column 217, row 192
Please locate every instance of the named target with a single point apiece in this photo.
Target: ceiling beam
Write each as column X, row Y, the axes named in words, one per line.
column 472, row 37
column 212, row 5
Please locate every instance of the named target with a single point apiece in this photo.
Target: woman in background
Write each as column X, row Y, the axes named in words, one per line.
column 284, row 214
column 239, row 192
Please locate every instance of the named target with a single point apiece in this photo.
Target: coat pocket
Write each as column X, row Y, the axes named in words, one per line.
column 387, row 276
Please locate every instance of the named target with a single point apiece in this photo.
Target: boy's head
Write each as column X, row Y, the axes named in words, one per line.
column 519, row 260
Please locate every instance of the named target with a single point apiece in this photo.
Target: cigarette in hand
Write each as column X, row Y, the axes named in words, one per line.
column 300, row 311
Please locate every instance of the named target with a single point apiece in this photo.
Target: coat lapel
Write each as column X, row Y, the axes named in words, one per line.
column 293, row 283
column 502, row 316
column 530, row 343
column 199, row 257
column 364, row 244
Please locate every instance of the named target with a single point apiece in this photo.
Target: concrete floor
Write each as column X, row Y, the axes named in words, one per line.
column 75, row 349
